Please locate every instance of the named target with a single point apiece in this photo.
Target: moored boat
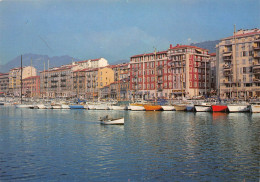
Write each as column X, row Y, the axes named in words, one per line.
column 255, row 107
column 114, row 107
column 190, row 107
column 151, row 107
column 204, row 107
column 180, row 107
column 238, row 107
column 23, row 106
column 219, row 108
column 168, row 108
column 76, row 106
column 136, row 107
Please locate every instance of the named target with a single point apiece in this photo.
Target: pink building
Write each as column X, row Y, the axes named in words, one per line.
column 31, row 86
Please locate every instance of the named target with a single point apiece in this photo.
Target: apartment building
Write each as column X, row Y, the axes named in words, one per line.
column 149, row 75
column 57, row 82
column 79, row 83
column 92, row 63
column 4, row 83
column 238, row 65
column 31, row 86
column 190, row 70
column 15, row 78
column 96, row 79
column 180, row 71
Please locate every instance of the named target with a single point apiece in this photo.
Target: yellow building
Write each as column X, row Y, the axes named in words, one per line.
column 105, row 77
column 15, row 78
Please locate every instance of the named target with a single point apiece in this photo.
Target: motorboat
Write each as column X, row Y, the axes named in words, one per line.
column 76, row 106
column 136, row 107
column 115, row 107
column 190, row 107
column 110, row 121
column 219, row 108
column 255, row 107
column 23, row 105
column 204, row 107
column 180, row 107
column 65, row 106
column 152, row 107
column 168, row 108
column 238, row 107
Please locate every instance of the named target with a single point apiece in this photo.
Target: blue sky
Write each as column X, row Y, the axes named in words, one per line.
column 116, row 29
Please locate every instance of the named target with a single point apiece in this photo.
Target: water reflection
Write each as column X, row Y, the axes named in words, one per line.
column 152, row 146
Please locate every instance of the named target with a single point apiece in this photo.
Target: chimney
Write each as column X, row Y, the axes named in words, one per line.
column 178, row 45
column 170, row 46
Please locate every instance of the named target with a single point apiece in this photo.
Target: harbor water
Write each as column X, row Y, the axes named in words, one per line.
column 71, row 145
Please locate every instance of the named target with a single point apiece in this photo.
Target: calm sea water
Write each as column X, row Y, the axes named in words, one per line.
column 71, row 145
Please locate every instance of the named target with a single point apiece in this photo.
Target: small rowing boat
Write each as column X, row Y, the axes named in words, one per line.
column 110, row 121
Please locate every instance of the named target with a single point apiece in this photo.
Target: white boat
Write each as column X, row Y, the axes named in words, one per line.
column 117, row 107
column 23, row 106
column 136, row 107
column 40, row 106
column 65, row 106
column 238, row 108
column 204, row 107
column 91, row 106
column 56, row 106
column 255, row 107
column 110, row 121
column 102, row 106
column 168, row 108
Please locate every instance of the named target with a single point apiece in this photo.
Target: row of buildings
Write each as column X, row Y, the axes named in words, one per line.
column 180, row 71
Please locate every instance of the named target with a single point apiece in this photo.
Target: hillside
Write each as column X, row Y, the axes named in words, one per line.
column 37, row 61
column 210, row 45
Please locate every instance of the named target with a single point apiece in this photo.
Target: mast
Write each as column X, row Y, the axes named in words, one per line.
column 48, row 80
column 181, row 79
column 155, row 73
column 31, row 78
column 205, row 84
column 21, row 79
column 236, row 76
column 119, row 84
column 143, row 80
column 44, row 79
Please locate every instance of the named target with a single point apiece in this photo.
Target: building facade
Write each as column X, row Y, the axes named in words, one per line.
column 92, row 63
column 57, row 82
column 4, row 84
column 31, row 86
column 15, row 78
column 181, row 71
column 213, row 74
column 238, row 64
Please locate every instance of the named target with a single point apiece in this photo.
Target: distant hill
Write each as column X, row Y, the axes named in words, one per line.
column 210, row 45
column 37, row 61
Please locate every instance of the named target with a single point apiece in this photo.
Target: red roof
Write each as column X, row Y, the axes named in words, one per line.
column 244, row 34
column 186, row 46
column 148, row 54
column 212, row 54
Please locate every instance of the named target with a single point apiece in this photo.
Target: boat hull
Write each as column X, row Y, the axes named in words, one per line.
column 136, row 108
column 202, row 108
column 255, row 108
column 238, row 108
column 180, row 107
column 76, row 107
column 190, row 108
column 118, row 108
column 168, row 108
column 153, row 107
column 119, row 121
column 219, row 108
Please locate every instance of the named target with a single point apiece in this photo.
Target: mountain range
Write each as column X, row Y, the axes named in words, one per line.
column 55, row 61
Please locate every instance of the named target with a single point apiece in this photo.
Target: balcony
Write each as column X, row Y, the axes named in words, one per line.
column 256, row 71
column 256, row 47
column 256, row 55
column 256, row 80
column 227, row 73
column 160, row 81
column 160, row 67
column 160, row 74
column 227, row 67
